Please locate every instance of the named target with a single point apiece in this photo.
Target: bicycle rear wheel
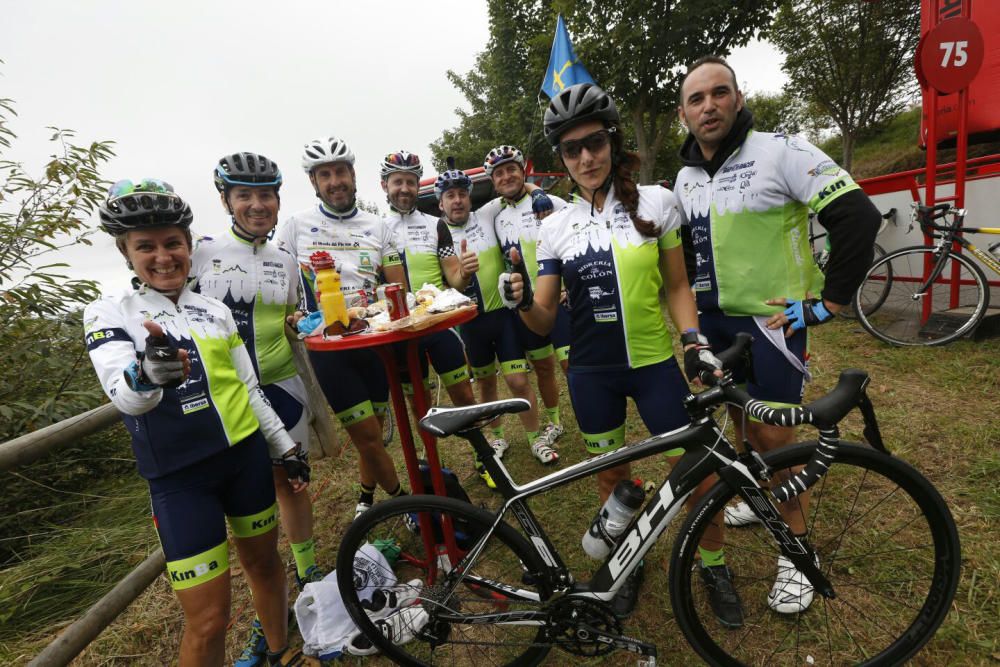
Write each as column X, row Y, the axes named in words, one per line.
column 895, row 311
column 886, row 541
column 446, row 631
column 876, row 285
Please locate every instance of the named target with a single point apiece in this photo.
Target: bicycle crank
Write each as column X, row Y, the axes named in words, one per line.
column 589, row 628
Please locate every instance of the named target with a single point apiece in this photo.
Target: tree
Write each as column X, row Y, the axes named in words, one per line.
column 851, row 58
column 502, row 89
column 637, row 50
column 43, row 375
column 783, row 112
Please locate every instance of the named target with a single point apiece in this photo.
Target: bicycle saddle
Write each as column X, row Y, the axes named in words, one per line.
column 448, row 421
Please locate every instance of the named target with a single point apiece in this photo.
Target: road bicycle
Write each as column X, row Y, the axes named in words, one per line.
column 881, row 549
column 821, row 251
column 929, row 295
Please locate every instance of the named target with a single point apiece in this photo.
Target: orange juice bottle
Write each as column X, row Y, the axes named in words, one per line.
column 328, row 294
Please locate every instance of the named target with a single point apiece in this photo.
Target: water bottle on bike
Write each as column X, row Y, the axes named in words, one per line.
column 613, row 518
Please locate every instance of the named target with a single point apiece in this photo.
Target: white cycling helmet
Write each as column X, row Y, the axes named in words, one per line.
column 502, row 155
column 325, row 151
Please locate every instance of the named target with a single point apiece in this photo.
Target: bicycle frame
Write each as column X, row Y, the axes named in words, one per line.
column 707, row 451
column 947, row 236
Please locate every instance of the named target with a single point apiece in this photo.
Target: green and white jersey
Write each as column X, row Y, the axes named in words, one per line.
column 481, row 238
column 517, row 227
column 359, row 242
column 218, row 405
column 423, row 241
column 612, row 276
column 260, row 284
column 749, row 223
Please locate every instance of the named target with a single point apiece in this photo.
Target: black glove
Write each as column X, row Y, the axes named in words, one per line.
column 699, row 362
column 158, row 366
column 296, row 463
column 527, row 296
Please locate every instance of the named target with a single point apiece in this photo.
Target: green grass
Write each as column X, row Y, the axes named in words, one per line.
column 937, row 409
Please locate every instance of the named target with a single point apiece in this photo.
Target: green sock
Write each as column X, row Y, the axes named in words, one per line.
column 553, row 414
column 305, row 556
column 397, row 492
column 497, row 432
column 532, row 436
column 711, row 558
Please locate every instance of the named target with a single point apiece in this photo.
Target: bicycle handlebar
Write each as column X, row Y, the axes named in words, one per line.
column 824, row 413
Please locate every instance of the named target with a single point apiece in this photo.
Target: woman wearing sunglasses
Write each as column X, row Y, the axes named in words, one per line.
column 203, row 434
column 613, row 247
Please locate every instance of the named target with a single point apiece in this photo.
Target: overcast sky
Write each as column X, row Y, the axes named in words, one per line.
column 179, row 84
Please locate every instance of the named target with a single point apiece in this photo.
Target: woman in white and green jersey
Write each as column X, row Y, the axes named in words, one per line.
column 614, row 247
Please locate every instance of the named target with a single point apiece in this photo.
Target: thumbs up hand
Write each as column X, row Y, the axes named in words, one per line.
column 469, row 261
column 515, row 286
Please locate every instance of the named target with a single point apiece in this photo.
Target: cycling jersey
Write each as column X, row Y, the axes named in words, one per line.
column 749, row 222
column 259, row 283
column 611, row 273
column 480, row 237
column 517, row 227
column 220, row 403
column 359, row 242
column 423, row 241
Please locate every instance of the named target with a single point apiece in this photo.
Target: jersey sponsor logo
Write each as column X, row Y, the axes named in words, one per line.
column 605, row 315
column 825, row 168
column 199, row 570
column 597, row 293
column 235, row 267
column 194, row 406
column 832, row 188
column 97, row 338
column 737, row 166
column 600, row 268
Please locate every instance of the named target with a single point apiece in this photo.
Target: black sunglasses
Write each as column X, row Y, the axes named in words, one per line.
column 592, row 142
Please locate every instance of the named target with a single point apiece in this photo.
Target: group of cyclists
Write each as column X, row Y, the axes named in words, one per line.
column 196, row 354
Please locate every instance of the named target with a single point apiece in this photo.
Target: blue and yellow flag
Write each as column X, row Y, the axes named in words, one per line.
column 565, row 69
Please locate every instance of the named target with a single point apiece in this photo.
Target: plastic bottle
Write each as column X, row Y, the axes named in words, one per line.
column 328, row 294
column 613, row 518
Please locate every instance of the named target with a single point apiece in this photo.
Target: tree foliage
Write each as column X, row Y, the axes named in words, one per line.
column 635, row 49
column 638, row 50
column 44, row 376
column 851, row 58
column 786, row 112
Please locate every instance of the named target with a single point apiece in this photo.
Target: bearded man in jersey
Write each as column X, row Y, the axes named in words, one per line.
column 746, row 196
column 361, row 245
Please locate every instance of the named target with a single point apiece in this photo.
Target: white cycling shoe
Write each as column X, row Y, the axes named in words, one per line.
column 391, row 608
column 543, row 451
column 499, row 446
column 792, row 593
column 740, row 514
column 553, row 432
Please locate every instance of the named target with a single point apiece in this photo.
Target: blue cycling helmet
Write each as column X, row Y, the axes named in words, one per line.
column 248, row 169
column 453, row 178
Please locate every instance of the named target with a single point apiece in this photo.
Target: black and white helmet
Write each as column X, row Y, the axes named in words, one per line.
column 502, row 155
column 574, row 105
column 248, row 169
column 150, row 203
column 324, row 151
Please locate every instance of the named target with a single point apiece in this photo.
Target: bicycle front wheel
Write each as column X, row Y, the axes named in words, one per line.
column 885, row 540
column 876, row 288
column 440, row 613
column 892, row 306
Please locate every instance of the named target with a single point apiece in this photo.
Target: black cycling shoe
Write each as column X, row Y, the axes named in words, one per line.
column 722, row 595
column 623, row 603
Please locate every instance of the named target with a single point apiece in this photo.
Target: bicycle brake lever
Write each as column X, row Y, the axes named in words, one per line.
column 871, row 431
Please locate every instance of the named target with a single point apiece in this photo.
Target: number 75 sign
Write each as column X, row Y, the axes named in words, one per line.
column 949, row 56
